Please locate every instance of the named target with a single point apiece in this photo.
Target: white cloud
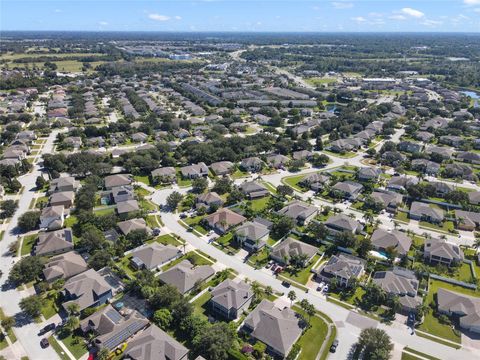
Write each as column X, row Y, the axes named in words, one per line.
column 359, row 19
column 177, row 17
column 342, row 5
column 103, row 23
column 471, row 2
column 413, row 13
column 158, row 17
column 431, row 23
column 397, row 17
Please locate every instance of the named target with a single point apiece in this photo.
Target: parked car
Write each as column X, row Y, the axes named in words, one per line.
column 320, row 286
column 325, row 289
column 286, row 284
column 44, row 343
column 183, row 216
column 411, row 319
column 334, row 345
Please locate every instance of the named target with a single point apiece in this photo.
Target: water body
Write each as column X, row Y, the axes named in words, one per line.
column 475, row 96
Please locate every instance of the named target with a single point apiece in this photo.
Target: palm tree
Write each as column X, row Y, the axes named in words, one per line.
column 103, row 354
column 292, row 296
column 73, row 308
column 72, row 323
column 476, row 244
column 257, row 290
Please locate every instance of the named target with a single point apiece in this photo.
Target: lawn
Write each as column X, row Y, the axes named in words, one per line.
column 303, row 275
column 147, row 205
column 402, row 216
column 49, row 304
column 239, row 174
column 446, row 226
column 199, row 304
column 56, row 346
column 143, row 179
column 125, row 265
column 70, row 221
column 259, row 204
column 259, row 259
column 228, row 243
column 194, row 222
column 346, row 155
column 317, row 81
column 423, row 355
column 183, row 182
column 75, row 344
column 104, row 211
column 11, row 335
column 193, row 257
column 27, row 244
column 293, row 181
column 168, row 239
column 311, row 340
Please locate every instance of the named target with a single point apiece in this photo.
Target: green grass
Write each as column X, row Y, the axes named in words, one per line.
column 183, row 182
column 104, row 211
column 143, row 179
column 239, row 174
column 193, row 257
column 317, row 81
column 402, row 216
column 446, row 343
column 56, row 346
column 49, row 304
column 11, row 335
column 445, row 226
column 140, row 191
column 200, row 304
column 125, row 265
column 77, row 349
column 147, row 205
column 347, row 155
column 70, row 221
column 312, row 339
column 303, row 275
column 27, row 244
column 293, row 181
column 195, row 222
column 406, row 356
column 423, row 355
column 260, row 204
column 168, row 239
column 259, row 259
column 228, row 243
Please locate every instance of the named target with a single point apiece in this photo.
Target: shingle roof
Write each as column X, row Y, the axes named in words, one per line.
column 155, row 254
column 396, row 239
column 86, row 288
column 184, row 275
column 231, row 295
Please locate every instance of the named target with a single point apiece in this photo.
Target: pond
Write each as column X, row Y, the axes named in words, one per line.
column 474, row 95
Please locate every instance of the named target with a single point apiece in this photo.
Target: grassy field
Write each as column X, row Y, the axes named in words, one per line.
column 445, row 226
column 49, row 304
column 168, row 239
column 303, row 275
column 75, row 344
column 293, row 181
column 312, row 339
column 27, row 244
column 200, row 304
column 259, row 259
column 194, row 222
column 319, row 81
column 260, row 204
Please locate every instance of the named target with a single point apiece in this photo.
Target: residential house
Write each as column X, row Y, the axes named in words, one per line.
column 441, row 188
column 401, row 183
column 299, row 211
column 194, row 171
column 252, row 235
column 343, row 268
column 223, row 220
column 290, row 247
column 278, row 161
column 113, row 181
column 474, row 197
column 252, row 164
column 425, row 166
column 369, row 174
column 126, row 208
column 410, row 147
column 164, row 175
column 302, row 155
column 121, row 194
column 389, row 199
column 467, row 220
column 279, row 329
column 154, row 343
column 64, row 266
column 54, row 242
column 62, row 198
column 424, row 136
column 153, row 255
column 128, row 226
column 397, row 240
column 230, row 299
column 52, row 217
column 185, row 276
column 344, row 145
column 463, row 307
column 222, row 168
column 139, row 137
column 88, row 289
column 469, row 157
column 315, row 181
column 254, row 190
column 342, row 223
column 424, row 212
column 347, row 189
column 208, row 200
column 439, row 251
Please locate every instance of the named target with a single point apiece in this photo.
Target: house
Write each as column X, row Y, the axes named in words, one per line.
column 230, row 299
column 290, row 247
column 474, row 197
column 302, row 155
column 469, row 157
column 456, row 170
column 113, row 181
column 344, row 145
column 164, row 175
column 66, row 183
column 121, row 194
column 128, row 226
column 52, row 217
column 343, row 268
column 88, row 289
column 277, row 161
column 401, row 183
column 425, row 166
column 397, row 240
column 369, row 174
column 154, row 343
column 113, row 328
column 139, row 137
column 184, row 276
column 347, row 189
column 64, row 266
column 252, row 235
column 452, row 140
column 402, row 283
column 279, row 329
column 209, row 199
column 465, row 308
column 254, row 190
column 439, row 251
column 62, row 198
column 444, row 152
column 73, row 141
column 125, row 208
column 194, row 171
column 424, row 136
column 389, row 199
column 467, row 220
column 342, row 223
column 252, row 164
column 441, row 188
column 223, row 220
column 409, row 147
column 153, row 255
column 54, row 242
column 315, row 181
column 424, row 212
column 299, row 211
column 222, row 168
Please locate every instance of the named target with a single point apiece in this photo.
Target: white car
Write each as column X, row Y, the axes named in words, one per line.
column 320, row 286
column 325, row 289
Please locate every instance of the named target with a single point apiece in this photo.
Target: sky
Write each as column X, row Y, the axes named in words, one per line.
column 242, row 15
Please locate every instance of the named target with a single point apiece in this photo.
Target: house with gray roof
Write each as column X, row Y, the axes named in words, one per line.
column 397, row 240
column 54, row 242
column 125, row 208
column 154, row 343
column 252, row 164
column 301, row 212
column 389, row 199
column 302, row 155
column 315, row 181
column 117, row 180
column 465, row 308
column 252, row 235
column 369, row 173
column 222, row 168
column 278, row 328
column 401, row 183
column 278, row 161
column 254, row 190
column 184, row 275
column 341, row 222
column 164, row 175
column 230, row 298
column 425, row 166
column 153, row 255
column 440, row 251
column 63, row 198
column 52, row 217
column 290, row 247
column 424, row 212
column 121, row 193
column 194, row 171
column 208, row 199
column 347, row 189
column 474, row 197
column 128, row 226
column 64, row 266
column 64, row 183
column 343, row 268
column 467, row 220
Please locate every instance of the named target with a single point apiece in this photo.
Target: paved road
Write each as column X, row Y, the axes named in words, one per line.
column 348, row 329
column 25, row 331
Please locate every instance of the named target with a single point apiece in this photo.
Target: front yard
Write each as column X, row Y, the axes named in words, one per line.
column 302, row 276
column 27, row 244
column 445, row 226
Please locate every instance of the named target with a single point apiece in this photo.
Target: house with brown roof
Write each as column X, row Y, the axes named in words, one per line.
column 341, row 223
column 208, row 199
column 289, row 248
column 222, row 168
column 344, row 268
column 52, row 217
column 164, row 175
column 64, row 183
column 223, row 220
column 63, row 198
column 126, row 208
column 301, row 212
column 194, row 171
column 128, row 226
column 54, row 242
column 424, row 212
column 117, row 180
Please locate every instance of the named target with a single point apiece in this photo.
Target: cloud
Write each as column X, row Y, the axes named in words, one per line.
column 413, row 13
column 359, row 19
column 177, row 17
column 158, row 17
column 431, row 23
column 471, row 2
column 397, row 17
column 103, row 23
column 342, row 5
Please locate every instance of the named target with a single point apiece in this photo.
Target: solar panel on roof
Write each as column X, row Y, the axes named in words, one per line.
column 123, row 335
column 114, row 316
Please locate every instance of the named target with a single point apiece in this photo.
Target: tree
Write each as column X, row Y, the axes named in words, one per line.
column 222, row 186
column 163, row 318
column 8, row 322
column 40, row 182
column 374, row 344
column 268, row 291
column 308, row 308
column 71, row 324
column 257, row 291
column 29, row 221
column 215, row 343
column 364, row 247
column 73, row 308
column 199, row 185
column 163, row 297
column 31, row 306
column 317, row 229
column 345, row 239
column 282, row 226
column 103, row 354
column 92, row 238
column 284, row 190
column 100, row 259
column 8, row 208
column 259, row 349
column 292, row 296
column 26, row 270
column 194, row 325
column 173, row 200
